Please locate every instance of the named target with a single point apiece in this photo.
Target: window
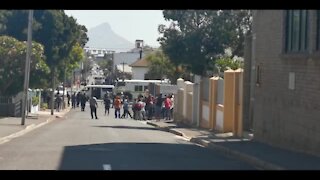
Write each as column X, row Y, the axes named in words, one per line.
column 296, row 31
column 138, row 88
column 318, row 30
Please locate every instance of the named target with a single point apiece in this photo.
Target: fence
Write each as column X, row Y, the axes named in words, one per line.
column 11, row 106
column 220, row 102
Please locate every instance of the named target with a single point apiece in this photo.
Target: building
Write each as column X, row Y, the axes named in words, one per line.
column 286, row 83
column 140, row 68
column 129, row 57
column 97, row 52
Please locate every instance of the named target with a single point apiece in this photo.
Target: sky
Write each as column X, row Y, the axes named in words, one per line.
column 145, row 22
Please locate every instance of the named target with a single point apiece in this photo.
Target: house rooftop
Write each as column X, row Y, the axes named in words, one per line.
column 140, row 63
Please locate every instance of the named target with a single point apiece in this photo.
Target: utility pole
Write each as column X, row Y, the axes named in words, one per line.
column 64, row 86
column 27, row 68
column 53, row 89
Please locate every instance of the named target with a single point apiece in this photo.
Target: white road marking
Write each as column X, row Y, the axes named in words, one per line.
column 107, row 167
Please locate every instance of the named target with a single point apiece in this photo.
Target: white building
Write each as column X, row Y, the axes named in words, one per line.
column 140, row 68
column 129, row 57
column 97, row 52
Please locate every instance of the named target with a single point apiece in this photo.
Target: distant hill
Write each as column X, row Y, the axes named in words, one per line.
column 102, row 36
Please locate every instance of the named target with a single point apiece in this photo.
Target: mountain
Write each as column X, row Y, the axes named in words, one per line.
column 102, row 36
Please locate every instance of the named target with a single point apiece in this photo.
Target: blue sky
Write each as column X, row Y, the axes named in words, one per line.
column 130, row 24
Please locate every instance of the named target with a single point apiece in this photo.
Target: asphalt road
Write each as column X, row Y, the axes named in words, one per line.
column 78, row 142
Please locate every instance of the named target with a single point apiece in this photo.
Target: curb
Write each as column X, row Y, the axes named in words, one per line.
column 23, row 131
column 168, row 129
column 28, row 128
column 238, row 155
column 224, row 150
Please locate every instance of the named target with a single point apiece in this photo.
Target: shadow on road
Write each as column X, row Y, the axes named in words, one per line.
column 145, row 156
column 128, row 127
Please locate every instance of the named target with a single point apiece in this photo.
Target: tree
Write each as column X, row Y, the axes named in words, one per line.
column 3, row 20
column 71, row 62
column 225, row 63
column 197, row 38
column 12, row 65
column 160, row 66
column 57, row 32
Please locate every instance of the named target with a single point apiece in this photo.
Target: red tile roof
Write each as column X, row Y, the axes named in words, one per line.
column 140, row 63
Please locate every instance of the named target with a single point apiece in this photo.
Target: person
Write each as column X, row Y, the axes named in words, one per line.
column 107, row 103
column 149, row 106
column 167, row 106
column 93, row 107
column 134, row 109
column 117, row 107
column 126, row 111
column 83, row 101
column 78, row 99
column 158, row 106
column 73, row 100
column 68, row 98
column 58, row 102
column 142, row 110
column 172, row 105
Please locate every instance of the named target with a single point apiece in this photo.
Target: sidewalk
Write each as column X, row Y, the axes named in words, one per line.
column 10, row 127
column 260, row 155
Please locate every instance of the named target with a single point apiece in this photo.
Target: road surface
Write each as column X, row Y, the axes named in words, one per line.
column 77, row 142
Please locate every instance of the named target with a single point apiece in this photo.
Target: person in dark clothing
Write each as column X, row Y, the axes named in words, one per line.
column 107, row 102
column 78, row 99
column 68, row 97
column 93, row 107
column 158, row 107
column 83, row 101
column 149, row 106
column 73, row 100
column 58, row 102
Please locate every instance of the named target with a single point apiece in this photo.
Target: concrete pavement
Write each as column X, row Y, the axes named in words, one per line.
column 245, row 149
column 10, row 127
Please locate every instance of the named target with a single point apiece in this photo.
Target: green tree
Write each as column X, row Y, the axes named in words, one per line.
column 12, row 65
column 71, row 62
column 197, row 38
column 225, row 63
column 160, row 67
column 57, row 32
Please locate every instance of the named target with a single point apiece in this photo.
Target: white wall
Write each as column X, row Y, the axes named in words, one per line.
column 139, row 72
column 188, row 87
column 126, row 57
column 205, row 113
column 219, row 120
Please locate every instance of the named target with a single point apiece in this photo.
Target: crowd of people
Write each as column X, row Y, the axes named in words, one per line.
column 142, row 107
column 146, row 107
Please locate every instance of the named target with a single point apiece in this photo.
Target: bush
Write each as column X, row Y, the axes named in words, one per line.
column 35, row 100
column 44, row 106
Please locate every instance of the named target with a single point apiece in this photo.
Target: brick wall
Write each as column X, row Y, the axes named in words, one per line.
column 284, row 117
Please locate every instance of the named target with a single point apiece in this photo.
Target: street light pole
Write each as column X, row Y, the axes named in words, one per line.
column 27, row 68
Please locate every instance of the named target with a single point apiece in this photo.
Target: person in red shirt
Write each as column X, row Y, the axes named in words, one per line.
column 167, row 106
column 117, row 107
